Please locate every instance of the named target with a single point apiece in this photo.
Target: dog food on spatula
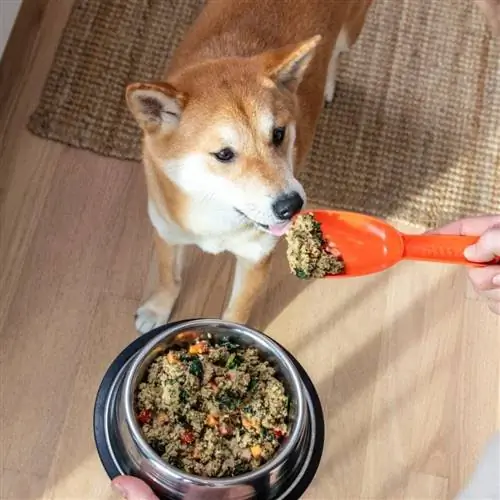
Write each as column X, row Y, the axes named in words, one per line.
column 309, row 254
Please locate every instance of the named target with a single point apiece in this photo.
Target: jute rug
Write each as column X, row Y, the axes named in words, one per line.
column 413, row 134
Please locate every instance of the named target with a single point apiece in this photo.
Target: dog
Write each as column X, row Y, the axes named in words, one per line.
column 226, row 130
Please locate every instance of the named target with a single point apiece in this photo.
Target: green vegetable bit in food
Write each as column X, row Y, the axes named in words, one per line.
column 196, row 368
column 183, row 396
column 230, row 346
column 233, row 361
column 252, row 384
column 247, row 410
column 228, row 401
column 239, row 469
column 300, row 273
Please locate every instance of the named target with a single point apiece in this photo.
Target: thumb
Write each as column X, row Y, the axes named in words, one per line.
column 487, row 247
column 132, row 488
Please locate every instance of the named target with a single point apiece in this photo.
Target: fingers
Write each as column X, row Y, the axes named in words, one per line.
column 486, row 283
column 471, row 226
column 485, row 278
column 487, row 247
column 494, row 307
column 132, row 488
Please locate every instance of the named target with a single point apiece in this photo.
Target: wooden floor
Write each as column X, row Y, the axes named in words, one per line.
column 406, row 362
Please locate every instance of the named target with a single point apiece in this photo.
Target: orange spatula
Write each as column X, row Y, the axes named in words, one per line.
column 370, row 245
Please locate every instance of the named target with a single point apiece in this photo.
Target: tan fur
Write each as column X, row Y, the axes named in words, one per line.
column 244, row 68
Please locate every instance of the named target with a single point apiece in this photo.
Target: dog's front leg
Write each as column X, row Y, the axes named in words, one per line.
column 249, row 280
column 157, row 309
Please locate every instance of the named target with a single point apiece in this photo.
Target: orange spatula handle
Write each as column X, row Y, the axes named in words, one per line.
column 448, row 249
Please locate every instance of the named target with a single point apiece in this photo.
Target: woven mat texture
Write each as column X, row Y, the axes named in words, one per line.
column 413, row 134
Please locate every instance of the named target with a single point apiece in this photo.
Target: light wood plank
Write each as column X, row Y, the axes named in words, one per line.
column 61, row 278
column 20, row 485
column 76, row 471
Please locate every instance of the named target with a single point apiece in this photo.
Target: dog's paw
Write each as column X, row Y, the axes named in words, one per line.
column 155, row 312
column 329, row 91
column 146, row 320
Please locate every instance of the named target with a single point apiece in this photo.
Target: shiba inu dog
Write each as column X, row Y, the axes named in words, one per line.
column 226, row 131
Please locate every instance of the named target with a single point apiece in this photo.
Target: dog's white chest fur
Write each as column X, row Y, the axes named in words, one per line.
column 214, row 233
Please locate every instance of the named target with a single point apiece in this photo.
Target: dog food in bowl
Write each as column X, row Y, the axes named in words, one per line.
column 309, row 254
column 212, row 409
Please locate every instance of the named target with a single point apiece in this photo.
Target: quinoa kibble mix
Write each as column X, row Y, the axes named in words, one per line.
column 309, row 254
column 213, row 409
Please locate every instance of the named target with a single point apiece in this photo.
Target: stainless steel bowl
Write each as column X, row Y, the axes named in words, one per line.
column 123, row 449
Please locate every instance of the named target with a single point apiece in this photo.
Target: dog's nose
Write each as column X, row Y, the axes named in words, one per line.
column 287, row 205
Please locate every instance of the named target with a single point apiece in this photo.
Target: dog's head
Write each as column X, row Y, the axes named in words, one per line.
column 224, row 131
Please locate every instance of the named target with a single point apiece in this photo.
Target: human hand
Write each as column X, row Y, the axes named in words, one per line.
column 132, row 488
column 486, row 280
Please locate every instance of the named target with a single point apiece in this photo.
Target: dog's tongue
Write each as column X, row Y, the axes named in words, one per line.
column 279, row 229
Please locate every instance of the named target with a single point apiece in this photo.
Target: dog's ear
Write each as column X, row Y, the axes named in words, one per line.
column 156, row 106
column 286, row 66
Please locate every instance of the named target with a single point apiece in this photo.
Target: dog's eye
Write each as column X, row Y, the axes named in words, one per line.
column 278, row 135
column 225, row 155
